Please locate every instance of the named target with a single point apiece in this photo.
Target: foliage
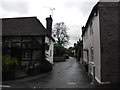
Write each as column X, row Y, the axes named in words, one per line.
column 59, row 50
column 32, row 64
column 60, row 33
column 8, row 62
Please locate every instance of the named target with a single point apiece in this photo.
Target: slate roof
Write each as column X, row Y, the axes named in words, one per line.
column 22, row 26
column 95, row 8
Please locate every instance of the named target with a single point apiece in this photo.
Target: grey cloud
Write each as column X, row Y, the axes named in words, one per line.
column 18, row 7
column 75, row 37
column 75, row 32
column 84, row 7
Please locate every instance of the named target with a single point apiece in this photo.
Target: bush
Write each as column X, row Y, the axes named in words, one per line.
column 8, row 67
column 8, row 63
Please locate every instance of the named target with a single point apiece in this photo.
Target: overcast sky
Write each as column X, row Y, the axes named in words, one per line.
column 73, row 12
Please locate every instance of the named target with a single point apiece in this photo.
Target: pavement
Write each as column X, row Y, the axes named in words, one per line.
column 67, row 74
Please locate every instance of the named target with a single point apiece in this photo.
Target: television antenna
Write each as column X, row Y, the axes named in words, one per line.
column 51, row 9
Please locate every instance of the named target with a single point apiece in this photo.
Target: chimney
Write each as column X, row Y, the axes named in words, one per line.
column 74, row 44
column 83, row 28
column 49, row 25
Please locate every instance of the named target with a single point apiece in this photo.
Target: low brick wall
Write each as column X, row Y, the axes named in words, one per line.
column 59, row 59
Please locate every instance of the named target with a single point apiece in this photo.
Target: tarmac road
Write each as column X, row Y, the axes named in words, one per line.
column 68, row 74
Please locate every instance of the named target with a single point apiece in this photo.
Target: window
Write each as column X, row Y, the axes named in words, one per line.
column 85, row 36
column 26, row 45
column 92, row 54
column 26, row 55
column 91, row 28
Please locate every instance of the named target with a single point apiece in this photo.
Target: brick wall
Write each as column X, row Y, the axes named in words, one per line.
column 119, row 34
column 109, row 41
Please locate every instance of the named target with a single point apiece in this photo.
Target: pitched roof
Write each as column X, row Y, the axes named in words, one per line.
column 22, row 26
column 95, row 8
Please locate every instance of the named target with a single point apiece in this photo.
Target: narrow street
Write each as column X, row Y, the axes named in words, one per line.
column 68, row 74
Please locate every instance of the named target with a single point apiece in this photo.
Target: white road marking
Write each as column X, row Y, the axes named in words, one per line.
column 4, row 86
column 72, row 83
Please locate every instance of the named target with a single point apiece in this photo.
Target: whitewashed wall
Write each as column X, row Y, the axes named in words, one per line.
column 93, row 40
column 87, row 44
column 97, row 51
column 49, row 53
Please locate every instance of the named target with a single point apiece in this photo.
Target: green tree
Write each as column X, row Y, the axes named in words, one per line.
column 59, row 50
column 60, row 33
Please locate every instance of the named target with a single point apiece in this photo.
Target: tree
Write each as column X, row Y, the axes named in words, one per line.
column 60, row 49
column 60, row 33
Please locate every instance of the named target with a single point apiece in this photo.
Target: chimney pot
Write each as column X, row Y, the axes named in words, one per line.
column 83, row 28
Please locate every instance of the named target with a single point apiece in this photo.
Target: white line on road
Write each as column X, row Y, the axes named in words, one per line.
column 4, row 86
column 72, row 83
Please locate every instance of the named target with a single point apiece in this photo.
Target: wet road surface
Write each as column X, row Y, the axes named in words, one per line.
column 68, row 74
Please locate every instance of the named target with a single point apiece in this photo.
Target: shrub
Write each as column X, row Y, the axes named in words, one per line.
column 8, row 63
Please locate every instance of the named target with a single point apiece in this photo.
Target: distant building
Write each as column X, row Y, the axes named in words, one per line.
column 77, row 50
column 26, row 39
column 101, row 41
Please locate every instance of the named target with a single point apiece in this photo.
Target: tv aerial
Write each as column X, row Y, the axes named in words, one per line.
column 51, row 9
